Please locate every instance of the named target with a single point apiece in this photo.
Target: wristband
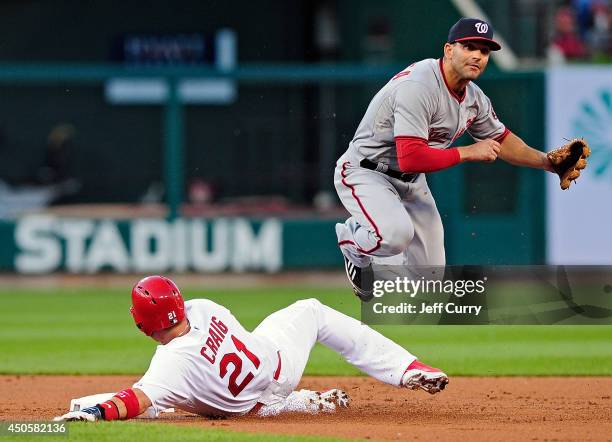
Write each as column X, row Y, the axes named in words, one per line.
column 110, row 411
column 132, row 405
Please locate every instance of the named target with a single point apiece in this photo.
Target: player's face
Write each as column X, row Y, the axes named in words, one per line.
column 469, row 59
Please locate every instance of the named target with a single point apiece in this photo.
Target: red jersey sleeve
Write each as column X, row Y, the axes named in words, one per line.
column 414, row 155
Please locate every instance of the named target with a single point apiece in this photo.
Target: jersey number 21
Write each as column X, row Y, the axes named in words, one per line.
column 236, row 361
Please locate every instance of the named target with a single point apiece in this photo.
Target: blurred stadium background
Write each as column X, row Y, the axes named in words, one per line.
column 202, row 137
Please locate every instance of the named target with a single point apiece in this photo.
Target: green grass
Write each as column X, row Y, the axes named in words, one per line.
column 90, row 331
column 157, row 432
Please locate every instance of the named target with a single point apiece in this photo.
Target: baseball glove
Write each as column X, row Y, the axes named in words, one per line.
column 568, row 160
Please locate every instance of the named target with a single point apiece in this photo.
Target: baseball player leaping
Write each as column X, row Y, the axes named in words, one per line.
column 210, row 365
column 406, row 132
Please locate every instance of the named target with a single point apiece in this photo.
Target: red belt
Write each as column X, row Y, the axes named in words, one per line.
column 258, row 405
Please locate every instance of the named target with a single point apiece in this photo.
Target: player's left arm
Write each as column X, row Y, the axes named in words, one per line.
column 126, row 404
column 512, row 149
column 515, row 151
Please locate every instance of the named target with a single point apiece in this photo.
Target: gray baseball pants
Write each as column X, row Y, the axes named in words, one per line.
column 390, row 218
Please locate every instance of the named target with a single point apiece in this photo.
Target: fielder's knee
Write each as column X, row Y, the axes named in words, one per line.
column 397, row 238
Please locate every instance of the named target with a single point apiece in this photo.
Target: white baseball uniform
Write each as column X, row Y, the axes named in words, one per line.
column 392, row 217
column 218, row 367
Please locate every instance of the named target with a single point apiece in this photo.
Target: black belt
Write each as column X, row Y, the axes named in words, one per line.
column 383, row 168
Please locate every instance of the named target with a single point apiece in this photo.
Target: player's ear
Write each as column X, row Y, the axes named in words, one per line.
column 448, row 49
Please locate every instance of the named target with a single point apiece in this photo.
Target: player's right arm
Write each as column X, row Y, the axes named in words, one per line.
column 414, row 155
column 485, row 150
column 126, row 404
column 414, row 104
column 141, row 400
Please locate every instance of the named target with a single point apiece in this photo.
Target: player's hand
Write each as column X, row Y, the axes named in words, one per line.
column 485, row 150
column 75, row 416
column 89, row 414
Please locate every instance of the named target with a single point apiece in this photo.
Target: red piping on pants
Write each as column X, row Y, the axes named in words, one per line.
column 367, row 215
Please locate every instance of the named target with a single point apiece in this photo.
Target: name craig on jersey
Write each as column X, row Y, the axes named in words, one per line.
column 216, row 334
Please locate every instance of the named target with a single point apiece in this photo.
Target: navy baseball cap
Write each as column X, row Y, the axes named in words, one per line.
column 473, row 29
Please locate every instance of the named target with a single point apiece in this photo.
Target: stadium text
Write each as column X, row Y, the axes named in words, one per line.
column 47, row 243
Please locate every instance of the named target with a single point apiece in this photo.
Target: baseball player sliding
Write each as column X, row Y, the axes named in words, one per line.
column 407, row 131
column 208, row 364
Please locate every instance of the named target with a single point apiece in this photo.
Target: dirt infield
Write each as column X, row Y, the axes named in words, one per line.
column 505, row 408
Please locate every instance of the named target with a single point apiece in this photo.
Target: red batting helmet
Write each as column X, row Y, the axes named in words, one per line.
column 156, row 304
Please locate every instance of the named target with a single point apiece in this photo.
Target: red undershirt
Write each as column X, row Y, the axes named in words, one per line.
column 414, row 155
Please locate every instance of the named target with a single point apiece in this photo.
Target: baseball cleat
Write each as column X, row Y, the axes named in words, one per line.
column 307, row 401
column 361, row 279
column 330, row 400
column 420, row 376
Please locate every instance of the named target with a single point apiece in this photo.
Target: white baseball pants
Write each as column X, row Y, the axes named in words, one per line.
column 295, row 329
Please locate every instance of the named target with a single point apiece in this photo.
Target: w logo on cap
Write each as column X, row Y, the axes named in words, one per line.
column 482, row 28
column 473, row 29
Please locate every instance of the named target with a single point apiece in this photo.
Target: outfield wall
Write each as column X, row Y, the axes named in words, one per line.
column 44, row 244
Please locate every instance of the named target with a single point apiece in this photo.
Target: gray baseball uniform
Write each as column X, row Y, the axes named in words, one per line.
column 392, row 217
